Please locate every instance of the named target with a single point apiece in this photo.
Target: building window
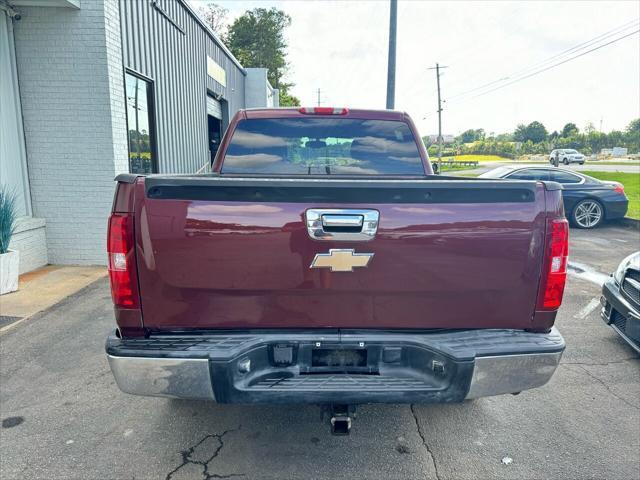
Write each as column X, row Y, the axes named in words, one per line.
column 140, row 125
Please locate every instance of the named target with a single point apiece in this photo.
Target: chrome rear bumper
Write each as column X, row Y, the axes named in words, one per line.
column 404, row 367
column 511, row 373
column 163, row 377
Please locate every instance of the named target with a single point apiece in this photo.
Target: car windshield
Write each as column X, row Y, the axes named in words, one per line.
column 499, row 172
column 570, row 151
column 323, row 146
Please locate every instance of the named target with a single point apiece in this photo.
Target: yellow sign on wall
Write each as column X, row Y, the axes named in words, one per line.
column 215, row 71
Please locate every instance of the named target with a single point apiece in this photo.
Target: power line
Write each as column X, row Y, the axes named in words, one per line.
column 554, row 65
column 537, row 72
column 537, row 65
column 580, row 46
column 585, row 44
column 540, row 71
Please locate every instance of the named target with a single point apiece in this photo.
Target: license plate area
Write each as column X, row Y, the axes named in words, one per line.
column 339, row 360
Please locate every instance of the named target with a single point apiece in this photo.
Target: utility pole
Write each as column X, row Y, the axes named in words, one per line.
column 318, row 97
column 437, row 69
column 391, row 63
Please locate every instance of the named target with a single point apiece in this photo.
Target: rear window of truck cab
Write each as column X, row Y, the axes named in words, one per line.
column 322, row 146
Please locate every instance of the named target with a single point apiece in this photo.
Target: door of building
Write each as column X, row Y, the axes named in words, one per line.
column 214, row 125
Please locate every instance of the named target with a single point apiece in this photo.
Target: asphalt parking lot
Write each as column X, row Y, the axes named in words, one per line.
column 64, row 417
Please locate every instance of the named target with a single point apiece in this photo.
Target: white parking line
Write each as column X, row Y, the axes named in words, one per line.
column 585, row 272
column 587, row 309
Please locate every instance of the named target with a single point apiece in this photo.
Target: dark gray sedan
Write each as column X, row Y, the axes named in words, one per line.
column 587, row 201
column 621, row 301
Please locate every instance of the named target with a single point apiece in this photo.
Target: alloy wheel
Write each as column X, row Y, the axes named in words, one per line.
column 588, row 214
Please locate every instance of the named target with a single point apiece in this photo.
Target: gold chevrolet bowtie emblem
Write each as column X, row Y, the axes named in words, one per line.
column 341, row 260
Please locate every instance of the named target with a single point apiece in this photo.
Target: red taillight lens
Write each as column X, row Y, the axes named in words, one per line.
column 122, row 267
column 619, row 188
column 555, row 267
column 323, row 111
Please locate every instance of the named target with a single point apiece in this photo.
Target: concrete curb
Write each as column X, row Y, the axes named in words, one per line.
column 78, row 283
column 630, row 222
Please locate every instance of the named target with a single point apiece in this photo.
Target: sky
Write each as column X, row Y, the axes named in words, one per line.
column 341, row 47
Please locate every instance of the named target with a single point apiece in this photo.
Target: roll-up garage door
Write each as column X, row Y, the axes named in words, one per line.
column 214, row 108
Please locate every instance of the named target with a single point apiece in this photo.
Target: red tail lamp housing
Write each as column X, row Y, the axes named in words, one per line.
column 554, row 274
column 122, row 266
column 619, row 188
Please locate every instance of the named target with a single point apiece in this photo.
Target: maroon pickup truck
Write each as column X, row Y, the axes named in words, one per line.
column 323, row 262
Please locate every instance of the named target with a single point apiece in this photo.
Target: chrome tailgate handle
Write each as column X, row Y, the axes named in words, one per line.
column 342, row 224
column 345, row 221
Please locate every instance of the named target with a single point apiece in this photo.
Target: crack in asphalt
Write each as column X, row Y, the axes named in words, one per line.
column 603, row 364
column 603, row 383
column 424, row 440
column 206, row 475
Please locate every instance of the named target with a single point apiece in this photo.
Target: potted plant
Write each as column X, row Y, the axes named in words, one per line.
column 9, row 259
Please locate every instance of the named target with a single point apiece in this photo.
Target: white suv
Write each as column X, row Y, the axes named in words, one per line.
column 566, row 156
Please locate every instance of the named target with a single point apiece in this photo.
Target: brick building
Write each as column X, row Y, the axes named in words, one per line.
column 93, row 88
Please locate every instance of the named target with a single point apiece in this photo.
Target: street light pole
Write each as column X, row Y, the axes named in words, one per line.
column 391, row 63
column 439, row 120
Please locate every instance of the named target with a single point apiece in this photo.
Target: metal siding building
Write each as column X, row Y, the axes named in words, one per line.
column 164, row 42
column 89, row 82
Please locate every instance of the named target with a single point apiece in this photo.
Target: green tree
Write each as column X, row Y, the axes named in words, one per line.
column 471, row 135
column 632, row 134
column 535, row 132
column 569, row 129
column 257, row 40
column 504, row 137
column 215, row 17
column 519, row 135
column 288, row 100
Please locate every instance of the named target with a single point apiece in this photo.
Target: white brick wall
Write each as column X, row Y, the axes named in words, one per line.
column 70, row 76
column 30, row 240
column 116, row 87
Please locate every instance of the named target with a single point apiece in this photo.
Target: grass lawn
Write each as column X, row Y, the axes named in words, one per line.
column 455, row 168
column 631, row 182
column 605, row 162
column 466, row 158
column 480, row 158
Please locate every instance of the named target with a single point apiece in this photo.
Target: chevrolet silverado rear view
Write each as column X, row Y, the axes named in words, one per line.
column 323, row 262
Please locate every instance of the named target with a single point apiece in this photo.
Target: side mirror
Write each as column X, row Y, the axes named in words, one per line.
column 435, row 168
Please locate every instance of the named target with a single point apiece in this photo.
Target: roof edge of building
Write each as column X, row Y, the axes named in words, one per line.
column 213, row 36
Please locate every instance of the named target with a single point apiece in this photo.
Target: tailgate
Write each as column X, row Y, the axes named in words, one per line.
column 216, row 252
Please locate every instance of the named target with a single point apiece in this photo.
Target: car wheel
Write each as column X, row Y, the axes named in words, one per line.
column 565, row 161
column 587, row 214
column 581, row 163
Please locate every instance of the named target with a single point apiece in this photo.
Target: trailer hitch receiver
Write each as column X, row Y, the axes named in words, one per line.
column 341, row 419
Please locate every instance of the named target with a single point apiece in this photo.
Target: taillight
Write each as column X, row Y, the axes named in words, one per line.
column 619, row 188
column 555, row 266
column 122, row 267
column 323, row 111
